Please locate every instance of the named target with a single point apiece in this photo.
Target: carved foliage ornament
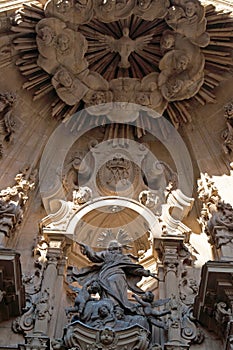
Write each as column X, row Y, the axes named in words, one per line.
column 146, row 52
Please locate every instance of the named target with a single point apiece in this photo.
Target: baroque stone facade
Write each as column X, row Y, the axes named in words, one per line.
column 116, row 214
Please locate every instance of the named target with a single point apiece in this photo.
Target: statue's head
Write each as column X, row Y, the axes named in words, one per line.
column 104, row 310
column 148, row 296
column 114, row 246
column 94, row 287
column 119, row 312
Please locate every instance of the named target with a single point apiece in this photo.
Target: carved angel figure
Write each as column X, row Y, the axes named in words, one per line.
column 84, row 295
column 98, row 97
column 188, row 18
column 112, row 10
column 70, row 11
column 151, row 9
column 148, row 95
column 182, row 67
column 69, row 88
column 125, row 45
column 148, row 304
column 59, row 45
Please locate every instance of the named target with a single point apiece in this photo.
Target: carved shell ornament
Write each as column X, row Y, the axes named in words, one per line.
column 159, row 54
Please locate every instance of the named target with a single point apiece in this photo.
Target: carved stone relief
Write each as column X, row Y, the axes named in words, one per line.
column 39, row 292
column 82, row 46
column 227, row 134
column 117, row 171
column 188, row 18
column 213, row 304
column 102, row 308
column 12, row 204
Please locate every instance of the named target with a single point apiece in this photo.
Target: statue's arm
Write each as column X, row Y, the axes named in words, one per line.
column 90, row 253
column 139, row 300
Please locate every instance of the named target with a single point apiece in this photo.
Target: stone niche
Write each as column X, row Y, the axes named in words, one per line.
column 12, row 298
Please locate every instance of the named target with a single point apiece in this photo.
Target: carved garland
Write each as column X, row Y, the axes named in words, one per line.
column 160, row 54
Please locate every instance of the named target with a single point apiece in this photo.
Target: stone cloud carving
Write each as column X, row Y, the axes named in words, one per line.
column 78, row 41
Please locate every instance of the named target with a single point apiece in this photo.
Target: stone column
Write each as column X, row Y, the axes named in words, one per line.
column 40, row 337
column 170, row 259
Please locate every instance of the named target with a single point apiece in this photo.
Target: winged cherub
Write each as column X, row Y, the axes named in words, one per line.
column 125, row 45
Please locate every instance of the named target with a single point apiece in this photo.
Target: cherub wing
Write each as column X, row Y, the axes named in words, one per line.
column 108, row 41
column 142, row 41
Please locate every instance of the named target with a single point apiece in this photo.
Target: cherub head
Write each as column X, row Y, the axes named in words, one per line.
column 65, row 78
column 104, row 310
column 148, row 296
column 175, row 13
column 107, row 336
column 119, row 313
column 142, row 98
column 63, row 42
column 167, row 41
column 108, row 5
column 173, row 86
column 114, row 246
column 182, row 63
column 190, row 9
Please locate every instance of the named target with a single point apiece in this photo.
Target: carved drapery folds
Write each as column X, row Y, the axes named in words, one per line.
column 103, row 317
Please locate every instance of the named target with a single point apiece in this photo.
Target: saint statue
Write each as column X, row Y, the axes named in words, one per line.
column 115, row 271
